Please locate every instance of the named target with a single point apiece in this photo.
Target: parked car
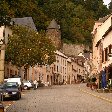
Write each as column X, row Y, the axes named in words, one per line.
column 17, row 80
column 5, row 80
column 27, row 85
column 11, row 90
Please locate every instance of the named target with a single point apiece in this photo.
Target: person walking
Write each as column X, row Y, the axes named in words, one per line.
column 35, row 84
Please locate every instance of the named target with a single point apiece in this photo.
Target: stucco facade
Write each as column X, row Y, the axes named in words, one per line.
column 102, row 45
column 4, row 34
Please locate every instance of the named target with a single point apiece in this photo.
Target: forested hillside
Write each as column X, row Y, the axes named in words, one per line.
column 75, row 17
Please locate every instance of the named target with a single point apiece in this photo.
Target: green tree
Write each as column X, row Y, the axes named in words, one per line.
column 98, row 8
column 76, row 17
column 27, row 48
column 5, row 13
column 110, row 6
column 26, row 8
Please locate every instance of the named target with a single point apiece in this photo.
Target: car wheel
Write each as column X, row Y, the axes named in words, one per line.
column 17, row 97
column 26, row 87
column 20, row 96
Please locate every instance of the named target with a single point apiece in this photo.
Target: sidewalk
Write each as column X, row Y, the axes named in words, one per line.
column 104, row 96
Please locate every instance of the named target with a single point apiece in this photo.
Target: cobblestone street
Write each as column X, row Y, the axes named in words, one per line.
column 65, row 98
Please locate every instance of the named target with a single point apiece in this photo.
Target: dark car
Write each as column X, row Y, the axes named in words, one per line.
column 11, row 90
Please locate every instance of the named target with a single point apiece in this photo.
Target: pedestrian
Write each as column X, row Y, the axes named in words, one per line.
column 35, row 84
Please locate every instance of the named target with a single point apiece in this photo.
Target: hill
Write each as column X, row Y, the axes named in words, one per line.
column 75, row 17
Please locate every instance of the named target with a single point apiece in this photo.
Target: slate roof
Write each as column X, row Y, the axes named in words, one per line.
column 86, row 55
column 53, row 25
column 80, row 58
column 25, row 21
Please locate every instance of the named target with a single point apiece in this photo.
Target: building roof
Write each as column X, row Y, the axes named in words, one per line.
column 80, row 58
column 60, row 54
column 25, row 21
column 69, row 60
column 102, row 20
column 106, row 33
column 53, row 25
column 86, row 55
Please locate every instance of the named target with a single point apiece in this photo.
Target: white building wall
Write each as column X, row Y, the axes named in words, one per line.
column 106, row 42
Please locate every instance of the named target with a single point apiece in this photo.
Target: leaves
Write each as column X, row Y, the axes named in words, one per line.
column 69, row 14
column 26, row 47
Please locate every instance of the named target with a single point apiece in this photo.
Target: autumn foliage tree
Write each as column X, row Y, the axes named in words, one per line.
column 75, row 17
column 27, row 48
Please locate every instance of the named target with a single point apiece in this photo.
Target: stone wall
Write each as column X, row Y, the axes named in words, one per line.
column 73, row 49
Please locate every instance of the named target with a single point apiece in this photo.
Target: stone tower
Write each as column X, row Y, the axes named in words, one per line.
column 53, row 32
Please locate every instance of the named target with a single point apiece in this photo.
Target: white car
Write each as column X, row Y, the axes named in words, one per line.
column 27, row 85
column 18, row 80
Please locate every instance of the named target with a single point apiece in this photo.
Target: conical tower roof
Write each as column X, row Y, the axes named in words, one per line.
column 53, row 25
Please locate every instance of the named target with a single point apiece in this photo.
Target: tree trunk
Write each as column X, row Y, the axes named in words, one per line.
column 25, row 72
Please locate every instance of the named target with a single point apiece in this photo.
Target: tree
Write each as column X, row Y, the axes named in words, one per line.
column 70, row 14
column 27, row 48
column 5, row 13
column 29, row 8
column 98, row 8
column 110, row 6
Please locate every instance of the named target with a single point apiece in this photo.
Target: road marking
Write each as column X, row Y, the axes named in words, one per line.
column 103, row 98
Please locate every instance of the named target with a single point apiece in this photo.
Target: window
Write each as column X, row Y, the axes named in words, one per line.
column 63, row 61
column 57, row 69
column 111, row 20
column 15, row 72
column 102, row 56
column 110, row 46
column 54, row 68
column 63, row 70
column 72, row 67
column 106, row 54
column 79, row 70
column 8, row 35
column 3, row 33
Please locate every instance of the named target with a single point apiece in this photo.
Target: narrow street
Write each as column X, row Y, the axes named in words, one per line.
column 65, row 98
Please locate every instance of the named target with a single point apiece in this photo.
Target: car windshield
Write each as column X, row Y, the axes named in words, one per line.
column 10, row 85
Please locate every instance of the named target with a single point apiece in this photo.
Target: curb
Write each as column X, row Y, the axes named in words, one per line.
column 103, row 98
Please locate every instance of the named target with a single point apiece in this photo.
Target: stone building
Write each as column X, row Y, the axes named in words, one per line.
column 53, row 32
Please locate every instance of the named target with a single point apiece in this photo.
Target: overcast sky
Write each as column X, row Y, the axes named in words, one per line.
column 106, row 2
